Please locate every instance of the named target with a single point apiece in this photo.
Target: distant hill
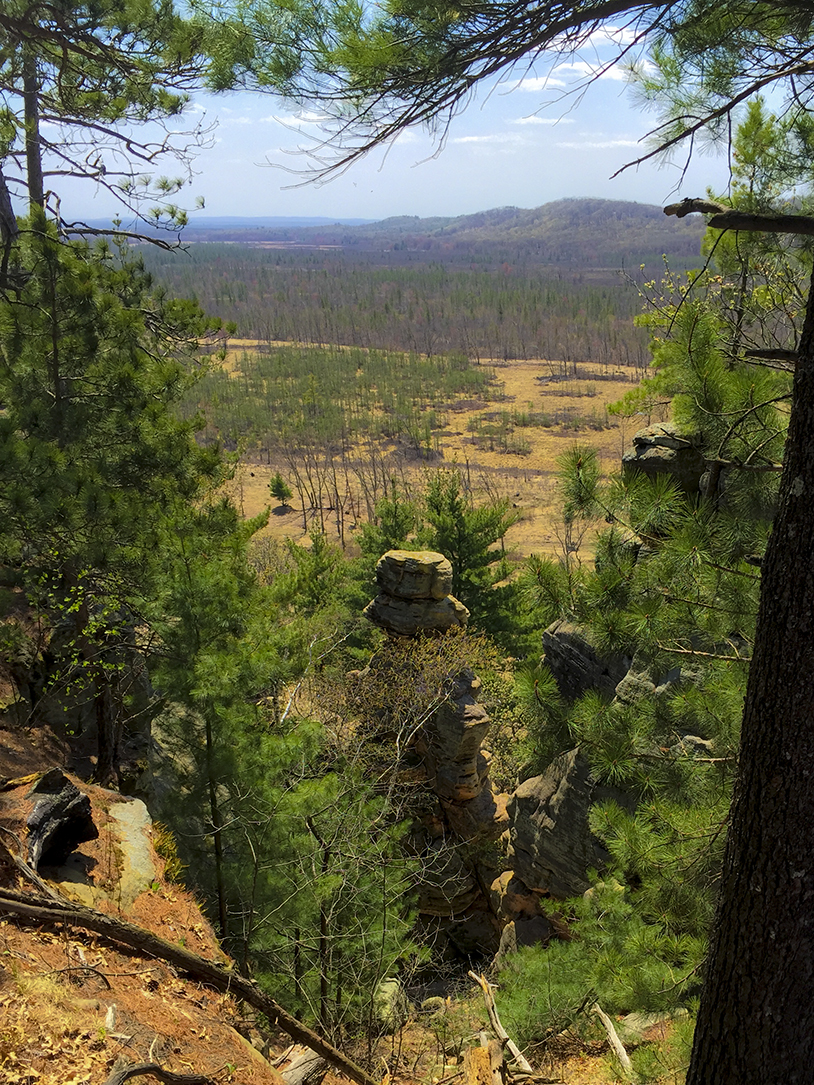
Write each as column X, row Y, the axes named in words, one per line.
column 208, row 223
column 568, row 233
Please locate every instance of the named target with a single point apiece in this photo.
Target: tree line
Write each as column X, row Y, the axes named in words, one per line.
column 509, row 311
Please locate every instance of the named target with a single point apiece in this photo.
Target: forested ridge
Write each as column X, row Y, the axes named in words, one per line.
column 373, row 796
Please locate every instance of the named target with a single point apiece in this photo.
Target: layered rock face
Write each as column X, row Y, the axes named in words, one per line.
column 550, row 845
column 576, row 666
column 414, row 594
column 455, row 765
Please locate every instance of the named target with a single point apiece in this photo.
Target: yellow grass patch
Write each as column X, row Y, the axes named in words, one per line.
column 528, row 480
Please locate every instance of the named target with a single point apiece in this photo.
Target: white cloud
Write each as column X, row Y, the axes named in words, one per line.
column 581, row 69
column 293, row 120
column 618, row 36
column 534, row 119
column 534, row 84
column 598, row 143
column 311, row 118
column 496, row 137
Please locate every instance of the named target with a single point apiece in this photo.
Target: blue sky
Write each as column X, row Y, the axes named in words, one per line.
column 533, row 138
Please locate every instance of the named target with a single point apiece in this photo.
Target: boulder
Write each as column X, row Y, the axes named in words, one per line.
column 576, row 666
column 637, row 1028
column 405, row 618
column 663, row 449
column 414, row 574
column 551, row 847
column 390, row 1004
column 638, row 684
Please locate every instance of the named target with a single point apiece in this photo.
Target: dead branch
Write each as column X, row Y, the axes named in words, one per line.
column 497, row 1027
column 42, row 910
column 773, row 354
column 615, row 1042
column 118, row 1077
column 689, row 206
column 27, row 871
column 484, row 1065
column 724, row 218
column 305, row 1068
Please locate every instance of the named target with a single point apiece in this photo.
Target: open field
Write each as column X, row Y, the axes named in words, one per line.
column 498, row 442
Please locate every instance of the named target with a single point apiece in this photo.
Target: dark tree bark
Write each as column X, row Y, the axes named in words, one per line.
column 33, row 148
column 756, row 1020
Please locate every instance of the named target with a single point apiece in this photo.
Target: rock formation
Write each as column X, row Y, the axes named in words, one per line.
column 472, row 900
column 663, row 449
column 414, row 594
column 550, row 845
column 414, row 600
column 60, row 820
column 576, row 666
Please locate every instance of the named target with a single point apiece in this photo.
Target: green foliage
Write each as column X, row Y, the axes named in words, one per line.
column 333, row 396
column 166, row 848
column 279, row 489
column 95, row 457
column 579, row 473
column 466, row 534
column 95, row 73
column 88, row 376
column 617, row 959
column 396, row 520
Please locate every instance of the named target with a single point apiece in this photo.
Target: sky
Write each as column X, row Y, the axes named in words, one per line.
column 522, row 142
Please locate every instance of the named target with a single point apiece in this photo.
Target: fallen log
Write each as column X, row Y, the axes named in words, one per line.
column 43, row 910
column 616, row 1044
column 305, row 1068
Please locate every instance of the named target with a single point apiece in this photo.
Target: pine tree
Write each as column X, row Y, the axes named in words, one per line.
column 466, row 533
column 93, row 454
column 77, row 81
column 279, row 489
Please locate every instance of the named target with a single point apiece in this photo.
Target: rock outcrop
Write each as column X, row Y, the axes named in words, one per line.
column 456, row 768
column 575, row 664
column 414, row 599
column 60, row 820
column 550, row 845
column 663, row 449
column 414, row 594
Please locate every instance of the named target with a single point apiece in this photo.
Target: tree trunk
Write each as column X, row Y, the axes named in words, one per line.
column 217, row 832
column 107, row 729
column 33, row 148
column 756, row 1020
